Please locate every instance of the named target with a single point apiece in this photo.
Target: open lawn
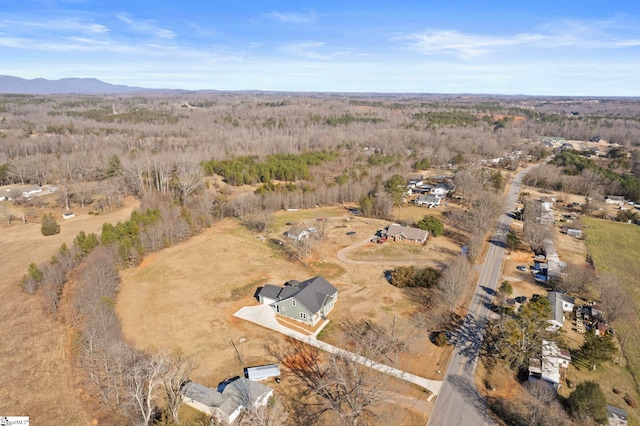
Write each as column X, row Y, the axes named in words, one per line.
column 437, row 250
column 183, row 298
column 614, row 248
column 34, row 366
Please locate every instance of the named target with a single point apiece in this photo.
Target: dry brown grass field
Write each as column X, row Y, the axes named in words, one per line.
column 36, row 377
column 183, row 298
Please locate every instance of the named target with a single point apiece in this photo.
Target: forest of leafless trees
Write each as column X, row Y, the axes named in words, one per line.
column 195, row 158
column 97, row 149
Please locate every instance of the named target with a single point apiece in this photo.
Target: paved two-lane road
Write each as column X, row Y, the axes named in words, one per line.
column 459, row 402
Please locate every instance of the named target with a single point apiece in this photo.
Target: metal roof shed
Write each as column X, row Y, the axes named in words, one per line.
column 262, row 372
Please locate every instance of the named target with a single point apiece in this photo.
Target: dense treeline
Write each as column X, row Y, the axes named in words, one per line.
column 252, row 170
column 158, row 224
column 344, row 120
column 41, row 136
column 574, row 173
column 446, row 118
column 574, row 164
column 119, row 376
column 134, row 116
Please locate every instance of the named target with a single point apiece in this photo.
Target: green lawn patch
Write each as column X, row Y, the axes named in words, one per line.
column 614, row 247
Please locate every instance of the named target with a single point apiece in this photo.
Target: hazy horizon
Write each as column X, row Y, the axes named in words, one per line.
column 537, row 49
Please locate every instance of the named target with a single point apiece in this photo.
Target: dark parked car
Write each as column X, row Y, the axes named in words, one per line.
column 521, row 299
column 521, row 267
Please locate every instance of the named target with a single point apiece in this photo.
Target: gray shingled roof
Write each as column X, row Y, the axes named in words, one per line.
column 311, row 293
column 203, row 394
column 231, row 397
column 270, row 291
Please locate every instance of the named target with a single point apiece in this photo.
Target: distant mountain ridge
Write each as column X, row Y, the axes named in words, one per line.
column 41, row 86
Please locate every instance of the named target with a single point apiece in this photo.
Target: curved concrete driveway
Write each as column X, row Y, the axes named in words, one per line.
column 264, row 316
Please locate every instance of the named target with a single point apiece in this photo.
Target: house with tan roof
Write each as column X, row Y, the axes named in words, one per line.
column 398, row 232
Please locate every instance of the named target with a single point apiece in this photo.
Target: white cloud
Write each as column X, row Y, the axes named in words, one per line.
column 146, row 26
column 292, row 18
column 561, row 34
column 307, row 49
column 62, row 25
column 434, row 42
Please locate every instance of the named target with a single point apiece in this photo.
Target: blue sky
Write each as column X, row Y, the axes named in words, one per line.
column 580, row 48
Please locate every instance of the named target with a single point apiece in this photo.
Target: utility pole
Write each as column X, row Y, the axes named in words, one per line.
column 237, row 352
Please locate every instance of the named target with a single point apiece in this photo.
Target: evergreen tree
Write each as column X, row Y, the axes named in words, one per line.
column 86, row 243
column 423, row 164
column 588, row 402
column 506, row 288
column 396, row 187
column 35, row 273
column 513, row 242
column 596, row 350
column 432, row 224
column 517, row 336
column 497, row 180
column 49, row 225
column 114, row 166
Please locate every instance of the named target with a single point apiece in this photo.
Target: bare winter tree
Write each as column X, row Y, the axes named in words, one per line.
column 144, row 381
column 453, row 281
column 65, row 194
column 534, row 232
column 336, row 386
column 83, row 192
column 187, row 176
column 578, row 279
column 467, row 185
column 7, row 211
column 543, row 407
column 485, row 210
column 242, row 206
column 614, row 300
column 272, row 415
column 321, row 226
column 177, row 372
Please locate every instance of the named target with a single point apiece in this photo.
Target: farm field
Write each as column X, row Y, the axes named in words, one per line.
column 614, row 249
column 183, row 298
column 43, row 387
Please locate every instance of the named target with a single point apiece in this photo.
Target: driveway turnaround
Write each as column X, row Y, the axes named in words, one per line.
column 264, row 316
